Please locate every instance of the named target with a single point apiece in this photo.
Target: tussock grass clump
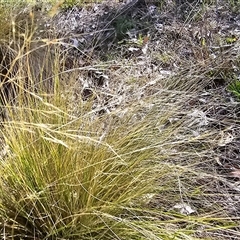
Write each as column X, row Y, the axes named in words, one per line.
column 75, row 177
column 78, row 179
column 135, row 160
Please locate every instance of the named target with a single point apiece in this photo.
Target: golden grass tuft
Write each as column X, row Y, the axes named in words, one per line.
column 67, row 172
column 78, row 178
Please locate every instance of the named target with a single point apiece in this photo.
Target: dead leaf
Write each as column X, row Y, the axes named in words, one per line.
column 184, row 208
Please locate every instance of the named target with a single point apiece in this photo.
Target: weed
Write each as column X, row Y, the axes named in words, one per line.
column 234, row 88
column 122, row 24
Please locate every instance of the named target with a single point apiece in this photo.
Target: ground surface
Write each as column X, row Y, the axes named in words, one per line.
column 151, row 43
column 148, row 43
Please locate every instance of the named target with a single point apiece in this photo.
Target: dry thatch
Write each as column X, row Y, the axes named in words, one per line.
column 26, row 61
column 27, row 68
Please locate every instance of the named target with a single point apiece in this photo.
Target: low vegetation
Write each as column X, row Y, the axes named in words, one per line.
column 131, row 135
